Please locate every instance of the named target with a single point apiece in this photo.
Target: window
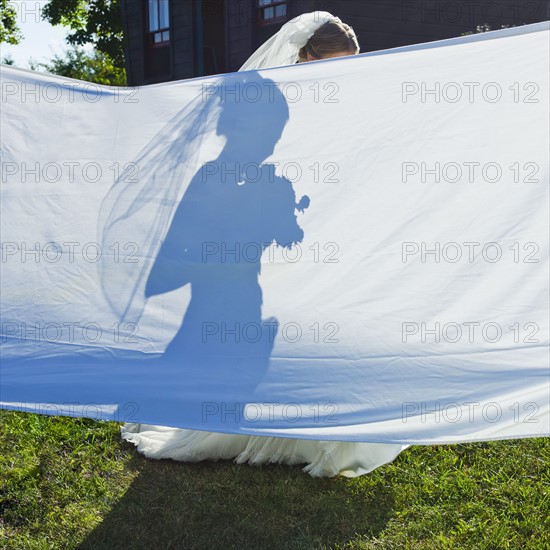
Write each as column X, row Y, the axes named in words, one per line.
column 272, row 11
column 158, row 64
column 158, row 21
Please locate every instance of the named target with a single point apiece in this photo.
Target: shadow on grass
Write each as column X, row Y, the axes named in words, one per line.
column 226, row 505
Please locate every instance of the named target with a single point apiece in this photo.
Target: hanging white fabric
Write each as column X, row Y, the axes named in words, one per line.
column 352, row 249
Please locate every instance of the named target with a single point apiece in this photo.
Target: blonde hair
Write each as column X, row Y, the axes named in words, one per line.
column 332, row 37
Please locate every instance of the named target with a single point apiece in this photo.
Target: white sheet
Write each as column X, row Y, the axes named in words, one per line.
column 412, row 306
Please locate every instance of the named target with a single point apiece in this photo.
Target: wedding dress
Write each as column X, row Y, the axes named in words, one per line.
column 322, row 458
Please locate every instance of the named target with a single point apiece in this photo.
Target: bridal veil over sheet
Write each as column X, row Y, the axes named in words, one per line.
column 323, row 458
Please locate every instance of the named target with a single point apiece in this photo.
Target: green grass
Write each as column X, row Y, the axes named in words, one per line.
column 71, row 483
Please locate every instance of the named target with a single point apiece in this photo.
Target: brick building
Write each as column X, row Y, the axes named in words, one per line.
column 179, row 39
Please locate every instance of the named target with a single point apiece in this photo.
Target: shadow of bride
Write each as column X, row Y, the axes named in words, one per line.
column 210, row 240
column 234, row 209
column 223, row 505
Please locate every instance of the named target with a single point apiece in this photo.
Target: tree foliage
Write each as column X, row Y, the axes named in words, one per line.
column 96, row 22
column 95, row 67
column 9, row 31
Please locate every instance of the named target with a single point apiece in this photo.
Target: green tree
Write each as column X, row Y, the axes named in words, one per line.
column 96, row 22
column 95, row 67
column 8, row 60
column 9, row 31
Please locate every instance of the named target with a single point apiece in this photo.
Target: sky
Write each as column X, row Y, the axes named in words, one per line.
column 41, row 40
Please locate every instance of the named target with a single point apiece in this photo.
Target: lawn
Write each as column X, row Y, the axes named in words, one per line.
column 71, row 483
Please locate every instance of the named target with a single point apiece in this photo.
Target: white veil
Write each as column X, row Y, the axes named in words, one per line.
column 284, row 47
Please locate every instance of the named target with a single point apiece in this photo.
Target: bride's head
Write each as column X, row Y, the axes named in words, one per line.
column 333, row 39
